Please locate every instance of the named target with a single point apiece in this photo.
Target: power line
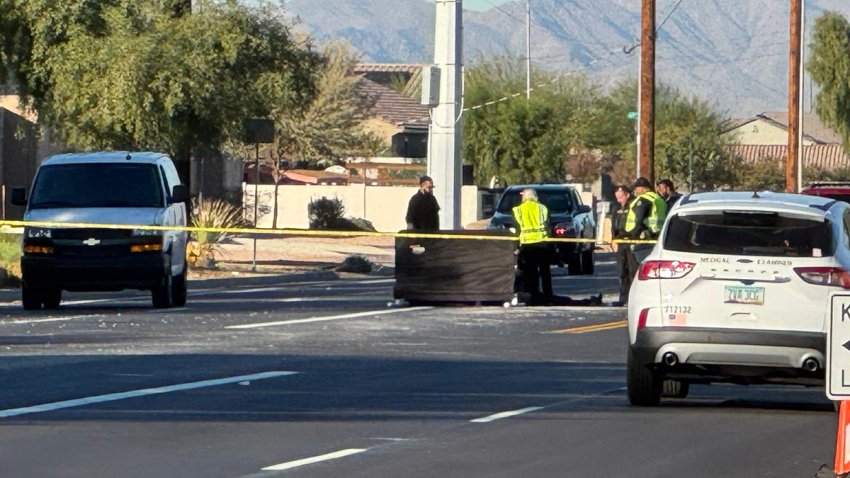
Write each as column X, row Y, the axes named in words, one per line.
column 504, row 11
column 668, row 16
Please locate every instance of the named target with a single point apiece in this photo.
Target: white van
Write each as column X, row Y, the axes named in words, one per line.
column 118, row 188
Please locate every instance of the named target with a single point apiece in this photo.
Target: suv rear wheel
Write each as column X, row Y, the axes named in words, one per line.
column 587, row 265
column 643, row 384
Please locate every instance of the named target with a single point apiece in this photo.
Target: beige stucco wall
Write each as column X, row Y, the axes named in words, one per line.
column 13, row 104
column 762, row 133
column 384, row 206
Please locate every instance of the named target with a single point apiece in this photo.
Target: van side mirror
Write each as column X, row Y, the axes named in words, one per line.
column 179, row 193
column 19, row 196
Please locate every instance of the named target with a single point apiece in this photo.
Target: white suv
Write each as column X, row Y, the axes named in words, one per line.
column 736, row 290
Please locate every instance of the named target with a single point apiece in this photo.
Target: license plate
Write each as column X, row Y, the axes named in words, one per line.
column 743, row 295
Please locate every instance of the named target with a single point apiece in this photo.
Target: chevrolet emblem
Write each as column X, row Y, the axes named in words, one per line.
column 91, row 241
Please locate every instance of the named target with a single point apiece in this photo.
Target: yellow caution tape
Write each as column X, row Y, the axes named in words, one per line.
column 300, row 232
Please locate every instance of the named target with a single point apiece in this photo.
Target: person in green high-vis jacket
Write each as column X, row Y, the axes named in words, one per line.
column 645, row 217
column 534, row 252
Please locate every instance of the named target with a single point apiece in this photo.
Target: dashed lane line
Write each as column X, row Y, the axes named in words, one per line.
column 111, row 397
column 499, row 416
column 315, row 459
column 54, row 319
column 328, row 318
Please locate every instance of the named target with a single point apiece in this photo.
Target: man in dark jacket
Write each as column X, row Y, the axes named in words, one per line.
column 423, row 212
column 665, row 189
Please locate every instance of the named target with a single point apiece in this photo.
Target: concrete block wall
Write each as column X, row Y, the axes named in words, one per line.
column 384, row 206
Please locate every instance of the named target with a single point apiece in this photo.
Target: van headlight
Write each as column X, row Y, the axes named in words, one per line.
column 38, row 233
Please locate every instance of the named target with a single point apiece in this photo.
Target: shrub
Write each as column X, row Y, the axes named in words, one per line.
column 355, row 264
column 211, row 214
column 325, row 213
column 10, row 255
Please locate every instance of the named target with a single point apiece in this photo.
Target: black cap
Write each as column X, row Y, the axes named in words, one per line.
column 642, row 182
column 422, row 179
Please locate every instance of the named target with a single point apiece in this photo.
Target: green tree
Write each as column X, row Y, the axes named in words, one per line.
column 682, row 124
column 525, row 141
column 829, row 65
column 141, row 75
column 763, row 174
column 331, row 126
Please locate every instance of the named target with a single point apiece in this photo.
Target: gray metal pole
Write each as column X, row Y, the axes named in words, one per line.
column 444, row 158
column 527, row 49
column 691, row 168
column 256, row 202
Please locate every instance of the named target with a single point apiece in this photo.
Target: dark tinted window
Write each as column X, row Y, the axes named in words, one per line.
column 745, row 233
column 97, row 185
column 838, row 197
column 558, row 201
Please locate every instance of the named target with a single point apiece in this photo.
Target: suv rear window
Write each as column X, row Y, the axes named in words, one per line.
column 749, row 233
column 97, row 185
column 557, row 201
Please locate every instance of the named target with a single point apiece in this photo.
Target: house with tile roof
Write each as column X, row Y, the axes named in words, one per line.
column 766, row 136
column 397, row 118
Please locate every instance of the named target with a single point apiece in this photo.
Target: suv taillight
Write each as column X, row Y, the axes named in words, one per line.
column 664, row 270
column 564, row 228
column 831, row 276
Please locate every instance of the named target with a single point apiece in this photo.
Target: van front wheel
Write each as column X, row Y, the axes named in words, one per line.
column 161, row 295
column 178, row 292
column 30, row 298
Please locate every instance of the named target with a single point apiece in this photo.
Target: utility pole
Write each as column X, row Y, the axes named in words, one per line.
column 802, row 148
column 444, row 160
column 646, row 159
column 527, row 50
column 794, row 67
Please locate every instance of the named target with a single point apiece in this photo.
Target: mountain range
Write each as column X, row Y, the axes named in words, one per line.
column 733, row 53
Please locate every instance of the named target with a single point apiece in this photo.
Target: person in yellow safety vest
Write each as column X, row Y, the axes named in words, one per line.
column 534, row 253
column 646, row 212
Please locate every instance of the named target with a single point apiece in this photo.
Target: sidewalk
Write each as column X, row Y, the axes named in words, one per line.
column 299, row 254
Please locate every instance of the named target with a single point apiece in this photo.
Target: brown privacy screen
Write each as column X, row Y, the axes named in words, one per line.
column 455, row 270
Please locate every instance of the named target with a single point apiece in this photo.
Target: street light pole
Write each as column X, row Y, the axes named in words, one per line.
column 527, row 50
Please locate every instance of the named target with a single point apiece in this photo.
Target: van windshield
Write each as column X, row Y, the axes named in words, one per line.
column 749, row 233
column 557, row 201
column 97, row 185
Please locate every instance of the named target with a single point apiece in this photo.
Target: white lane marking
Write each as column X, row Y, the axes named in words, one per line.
column 111, row 397
column 56, row 319
column 325, row 319
column 512, row 413
column 315, row 459
column 100, row 301
column 250, row 291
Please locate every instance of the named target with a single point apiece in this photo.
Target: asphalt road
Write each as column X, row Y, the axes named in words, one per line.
column 319, row 378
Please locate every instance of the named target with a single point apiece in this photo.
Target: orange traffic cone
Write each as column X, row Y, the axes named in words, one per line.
column 842, row 445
